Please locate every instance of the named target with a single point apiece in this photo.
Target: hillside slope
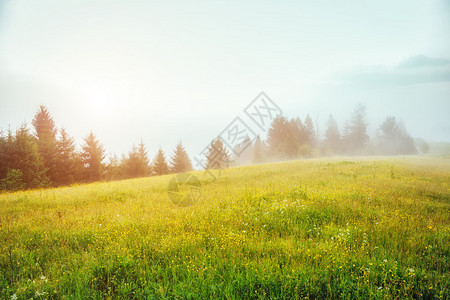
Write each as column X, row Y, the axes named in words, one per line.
column 354, row 228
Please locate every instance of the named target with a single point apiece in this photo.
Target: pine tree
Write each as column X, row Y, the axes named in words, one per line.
column 258, row 151
column 159, row 166
column 24, row 156
column 45, row 133
column 136, row 164
column 394, row 139
column 66, row 159
column 295, row 137
column 310, row 132
column 286, row 139
column 277, row 136
column 13, row 181
column 144, row 166
column 180, row 161
column 5, row 153
column 355, row 131
column 92, row 156
column 332, row 135
column 114, row 169
column 218, row 156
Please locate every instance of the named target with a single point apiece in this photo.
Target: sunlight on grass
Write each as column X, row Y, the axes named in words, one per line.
column 367, row 228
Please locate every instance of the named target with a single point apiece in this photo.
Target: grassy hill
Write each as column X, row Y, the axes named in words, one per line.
column 357, row 228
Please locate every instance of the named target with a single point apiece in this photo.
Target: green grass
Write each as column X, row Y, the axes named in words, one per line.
column 359, row 228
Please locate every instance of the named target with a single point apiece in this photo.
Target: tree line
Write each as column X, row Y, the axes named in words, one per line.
column 47, row 156
column 295, row 138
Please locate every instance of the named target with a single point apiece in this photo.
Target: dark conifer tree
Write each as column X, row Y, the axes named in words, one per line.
column 66, row 159
column 24, row 156
column 159, row 165
column 180, row 161
column 6, row 142
column 45, row 133
column 92, row 156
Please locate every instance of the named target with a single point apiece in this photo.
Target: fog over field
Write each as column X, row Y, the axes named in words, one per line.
column 183, row 70
column 224, row 149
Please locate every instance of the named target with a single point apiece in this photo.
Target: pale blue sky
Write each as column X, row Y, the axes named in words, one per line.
column 170, row 70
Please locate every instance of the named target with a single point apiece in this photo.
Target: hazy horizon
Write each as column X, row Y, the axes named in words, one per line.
column 166, row 72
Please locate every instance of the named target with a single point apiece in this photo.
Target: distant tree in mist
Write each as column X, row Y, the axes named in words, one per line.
column 332, row 135
column 92, row 156
column 424, row 147
column 113, row 169
column 46, row 158
column 242, row 152
column 45, row 133
column 290, row 139
column 278, row 135
column 310, row 131
column 218, row 156
column 159, row 165
column 355, row 131
column 180, row 161
column 259, row 151
column 393, row 138
column 137, row 163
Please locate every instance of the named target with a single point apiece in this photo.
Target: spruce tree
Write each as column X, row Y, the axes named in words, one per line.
column 136, row 164
column 218, row 156
column 24, row 156
column 45, row 133
column 66, row 159
column 180, row 161
column 332, row 135
column 285, row 138
column 144, row 161
column 277, row 137
column 310, row 131
column 114, row 168
column 355, row 131
column 92, row 156
column 5, row 153
column 159, row 166
column 393, row 138
column 258, row 155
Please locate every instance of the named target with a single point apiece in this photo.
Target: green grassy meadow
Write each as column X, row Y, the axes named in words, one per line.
column 359, row 228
